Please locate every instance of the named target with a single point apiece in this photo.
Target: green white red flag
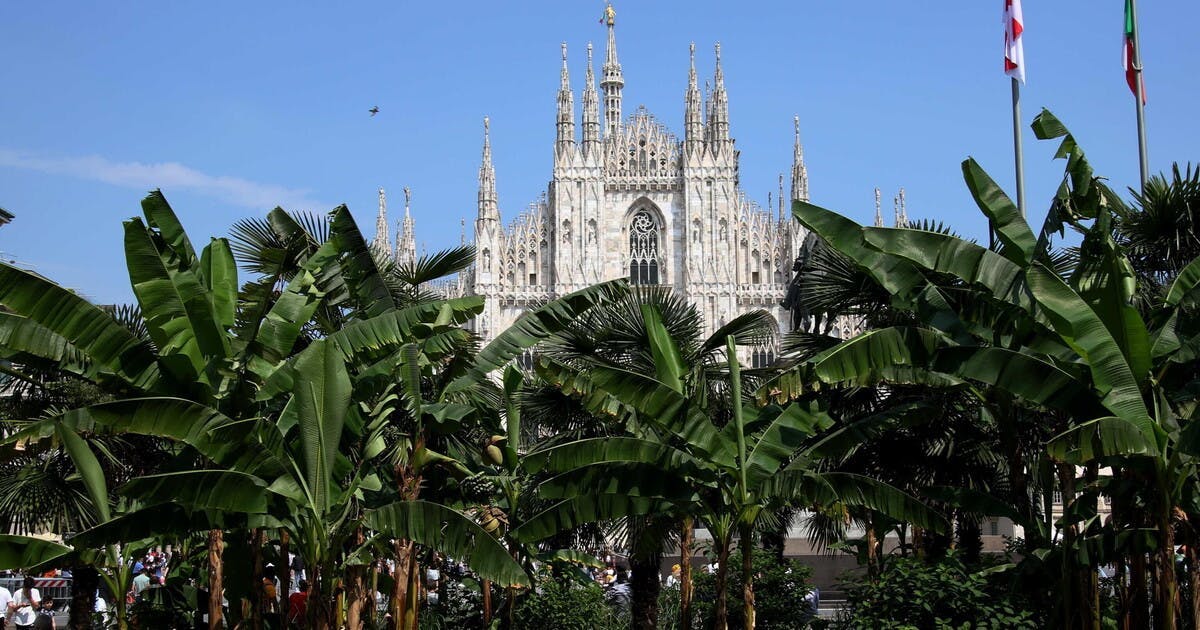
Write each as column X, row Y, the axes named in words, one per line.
column 1131, row 73
column 1014, row 47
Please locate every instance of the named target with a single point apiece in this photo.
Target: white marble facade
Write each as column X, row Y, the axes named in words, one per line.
column 629, row 199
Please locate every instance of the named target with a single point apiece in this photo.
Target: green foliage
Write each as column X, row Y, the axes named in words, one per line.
column 779, row 590
column 567, row 605
column 910, row 593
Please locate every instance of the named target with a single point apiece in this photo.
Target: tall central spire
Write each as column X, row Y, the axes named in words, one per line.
column 406, row 245
column 566, row 111
column 613, row 80
column 487, row 178
column 693, row 121
column 799, row 170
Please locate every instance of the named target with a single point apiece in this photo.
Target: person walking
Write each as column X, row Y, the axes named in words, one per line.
column 5, row 600
column 24, row 605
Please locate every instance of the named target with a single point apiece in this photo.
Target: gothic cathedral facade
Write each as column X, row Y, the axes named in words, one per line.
column 628, row 199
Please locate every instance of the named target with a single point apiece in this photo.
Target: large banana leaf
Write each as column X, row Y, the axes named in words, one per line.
column 608, row 450
column 535, row 326
column 781, row 439
column 1185, row 284
column 218, row 272
column 359, row 272
column 1101, row 437
column 320, row 400
column 86, row 326
column 88, row 468
column 860, row 360
column 668, row 362
column 1105, row 280
column 369, row 339
column 1025, row 376
column 22, row 552
column 854, row 490
column 199, row 490
column 631, row 479
column 162, row 519
column 24, row 339
column 439, row 527
column 161, row 217
column 1079, row 326
column 178, row 310
column 571, row 513
column 1005, row 218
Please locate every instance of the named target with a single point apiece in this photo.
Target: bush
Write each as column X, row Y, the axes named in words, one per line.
column 779, row 590
column 567, row 606
column 911, row 593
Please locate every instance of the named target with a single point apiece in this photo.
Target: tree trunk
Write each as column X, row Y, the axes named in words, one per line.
column 286, row 580
column 257, row 593
column 486, row 587
column 646, row 586
column 1069, row 581
column 1193, row 560
column 83, row 597
column 745, row 541
column 685, row 574
column 399, row 601
column 413, row 606
column 1167, row 592
column 721, row 616
column 356, row 587
column 216, row 582
column 872, row 554
column 1139, row 583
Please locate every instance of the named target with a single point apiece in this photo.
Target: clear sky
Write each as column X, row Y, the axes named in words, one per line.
column 235, row 107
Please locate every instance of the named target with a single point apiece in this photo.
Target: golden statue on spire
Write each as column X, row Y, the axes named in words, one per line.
column 610, row 16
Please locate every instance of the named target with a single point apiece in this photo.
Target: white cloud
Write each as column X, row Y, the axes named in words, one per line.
column 165, row 175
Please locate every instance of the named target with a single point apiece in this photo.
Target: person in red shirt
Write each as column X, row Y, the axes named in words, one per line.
column 298, row 603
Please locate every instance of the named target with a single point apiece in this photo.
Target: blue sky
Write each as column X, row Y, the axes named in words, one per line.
column 235, row 107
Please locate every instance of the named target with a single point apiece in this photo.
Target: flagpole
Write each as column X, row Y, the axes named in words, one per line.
column 1143, row 160
column 1017, row 150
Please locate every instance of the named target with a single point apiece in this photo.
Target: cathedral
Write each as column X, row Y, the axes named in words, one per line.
column 629, row 199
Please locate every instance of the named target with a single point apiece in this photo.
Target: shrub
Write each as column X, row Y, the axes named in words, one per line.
column 910, row 593
column 567, row 605
column 779, row 590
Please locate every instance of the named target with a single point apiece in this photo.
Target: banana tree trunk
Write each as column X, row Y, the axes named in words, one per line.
column 486, row 587
column 1193, row 560
column 745, row 541
column 356, row 587
column 1167, row 584
column 646, row 586
column 413, row 606
column 872, row 560
column 83, row 597
column 216, row 581
column 286, row 580
column 257, row 593
column 721, row 616
column 686, row 537
column 402, row 549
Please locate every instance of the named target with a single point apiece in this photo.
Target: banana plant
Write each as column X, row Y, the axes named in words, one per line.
column 723, row 476
column 1065, row 340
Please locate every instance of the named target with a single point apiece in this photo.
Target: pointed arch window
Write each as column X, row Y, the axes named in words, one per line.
column 643, row 249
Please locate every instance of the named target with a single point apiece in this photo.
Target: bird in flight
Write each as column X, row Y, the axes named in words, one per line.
column 374, row 110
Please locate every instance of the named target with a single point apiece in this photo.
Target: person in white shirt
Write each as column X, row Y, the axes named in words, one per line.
column 5, row 600
column 24, row 605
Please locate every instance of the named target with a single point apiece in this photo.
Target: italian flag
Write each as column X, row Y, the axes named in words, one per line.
column 1014, row 47
column 1131, row 75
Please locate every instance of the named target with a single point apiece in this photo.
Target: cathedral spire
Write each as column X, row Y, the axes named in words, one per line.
column 799, row 170
column 878, row 209
column 566, row 111
column 902, row 211
column 719, row 120
column 693, row 121
column 487, row 178
column 591, row 109
column 782, row 215
column 381, row 227
column 613, row 80
column 406, row 245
